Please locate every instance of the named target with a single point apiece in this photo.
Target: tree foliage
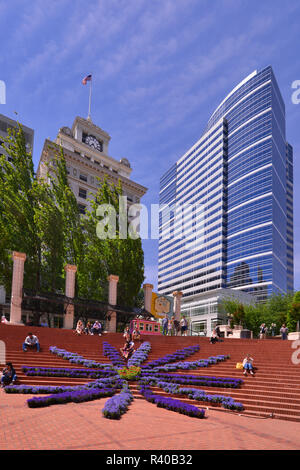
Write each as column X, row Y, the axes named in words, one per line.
column 123, row 257
column 18, row 205
column 293, row 315
column 274, row 310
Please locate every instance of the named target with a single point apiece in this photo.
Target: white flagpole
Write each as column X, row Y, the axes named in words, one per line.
column 90, row 99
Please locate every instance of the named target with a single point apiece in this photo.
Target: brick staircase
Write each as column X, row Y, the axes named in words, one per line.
column 274, row 390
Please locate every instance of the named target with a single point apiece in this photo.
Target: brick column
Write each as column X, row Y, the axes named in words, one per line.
column 112, row 300
column 148, row 296
column 70, row 292
column 177, row 304
column 17, row 288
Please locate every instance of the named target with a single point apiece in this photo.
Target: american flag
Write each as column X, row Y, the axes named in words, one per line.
column 86, row 79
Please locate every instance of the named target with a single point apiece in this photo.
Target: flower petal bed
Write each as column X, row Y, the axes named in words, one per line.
column 171, row 404
column 75, row 358
column 176, row 356
column 111, row 382
column 113, row 354
column 77, row 396
column 186, row 365
column 140, row 355
column 195, row 394
column 200, row 395
column 118, row 405
column 207, row 381
column 66, row 372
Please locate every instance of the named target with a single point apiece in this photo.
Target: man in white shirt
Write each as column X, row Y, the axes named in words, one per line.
column 31, row 342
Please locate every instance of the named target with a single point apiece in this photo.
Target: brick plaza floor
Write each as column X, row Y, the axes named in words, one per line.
column 143, row 427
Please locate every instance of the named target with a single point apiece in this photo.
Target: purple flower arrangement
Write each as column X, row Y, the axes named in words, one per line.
column 75, row 396
column 200, row 395
column 176, row 356
column 75, row 358
column 66, row 372
column 107, row 380
column 186, row 365
column 111, row 382
column 206, row 381
column 114, row 356
column 140, row 355
column 196, row 394
column 171, row 404
column 37, row 389
column 118, row 405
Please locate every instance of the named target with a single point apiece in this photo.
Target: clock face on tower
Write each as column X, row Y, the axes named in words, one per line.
column 92, row 142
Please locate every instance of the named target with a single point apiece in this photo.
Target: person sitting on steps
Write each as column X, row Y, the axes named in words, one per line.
column 248, row 365
column 31, row 342
column 214, row 337
column 97, row 328
column 9, row 375
column 79, row 328
column 128, row 348
column 88, row 328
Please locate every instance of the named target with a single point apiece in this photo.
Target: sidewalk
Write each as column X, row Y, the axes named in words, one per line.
column 143, row 427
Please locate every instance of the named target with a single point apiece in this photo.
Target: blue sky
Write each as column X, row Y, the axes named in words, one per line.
column 159, row 67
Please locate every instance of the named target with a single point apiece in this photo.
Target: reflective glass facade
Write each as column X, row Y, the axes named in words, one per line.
column 239, row 180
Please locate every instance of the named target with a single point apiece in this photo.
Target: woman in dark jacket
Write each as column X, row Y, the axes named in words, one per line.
column 9, row 375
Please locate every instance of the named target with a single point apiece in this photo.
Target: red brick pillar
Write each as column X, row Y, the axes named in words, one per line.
column 17, row 288
column 70, row 292
column 112, row 300
column 148, row 296
column 177, row 304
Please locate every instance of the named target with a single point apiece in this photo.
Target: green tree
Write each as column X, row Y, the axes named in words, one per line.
column 118, row 255
column 18, row 206
column 234, row 310
column 274, row 310
column 58, row 224
column 72, row 224
column 293, row 315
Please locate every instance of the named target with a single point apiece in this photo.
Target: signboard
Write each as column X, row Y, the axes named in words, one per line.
column 161, row 305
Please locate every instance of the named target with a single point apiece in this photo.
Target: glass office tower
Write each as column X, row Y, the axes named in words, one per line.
column 238, row 179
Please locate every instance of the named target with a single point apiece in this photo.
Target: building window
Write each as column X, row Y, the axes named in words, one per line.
column 199, row 327
column 83, row 177
column 82, row 193
column 81, row 208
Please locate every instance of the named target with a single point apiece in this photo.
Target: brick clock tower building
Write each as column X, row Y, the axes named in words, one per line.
column 85, row 147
